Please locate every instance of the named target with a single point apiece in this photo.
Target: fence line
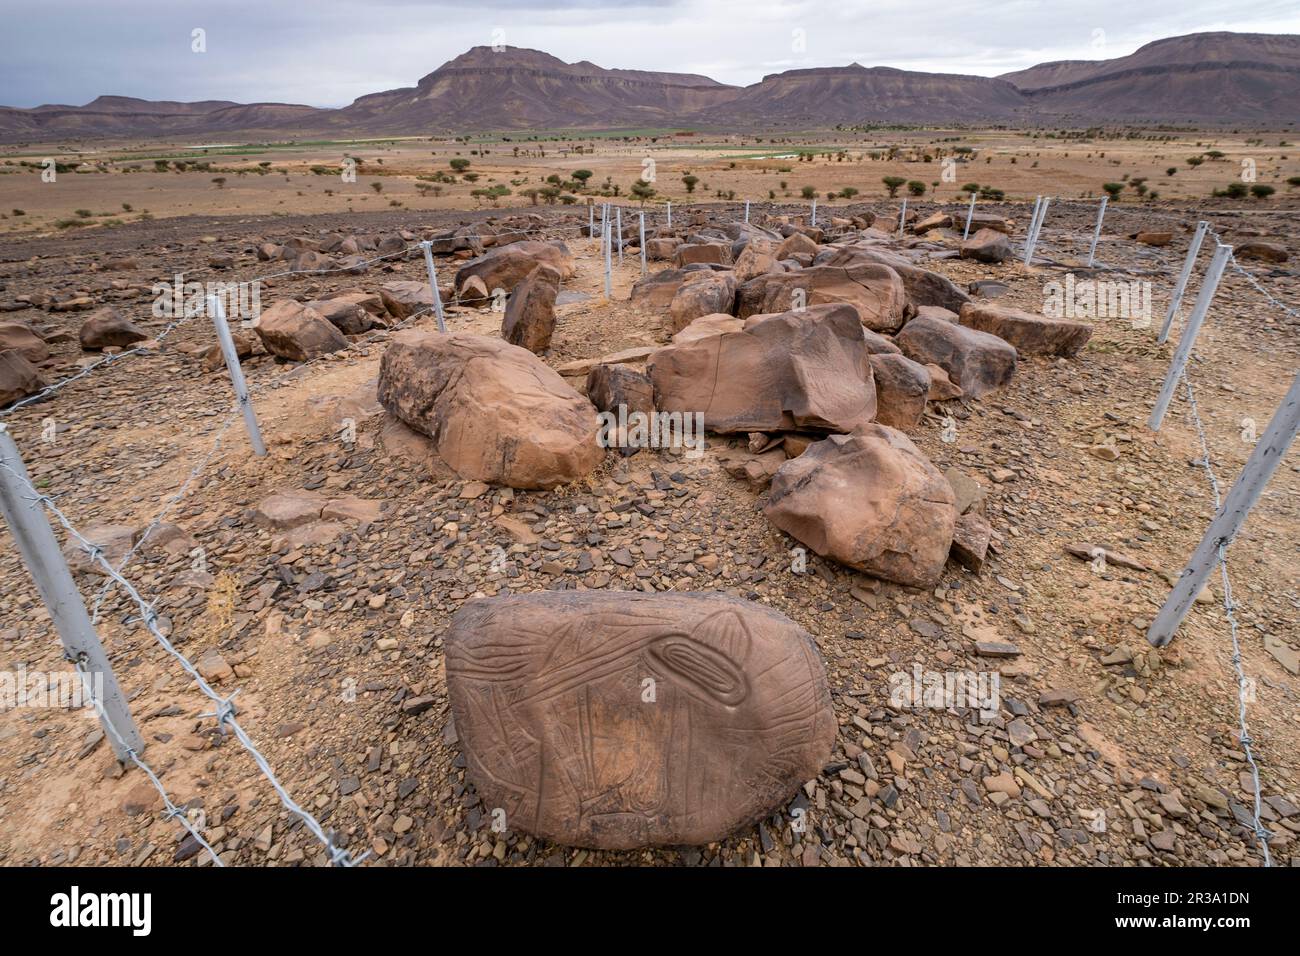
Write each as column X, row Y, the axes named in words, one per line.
column 224, row 709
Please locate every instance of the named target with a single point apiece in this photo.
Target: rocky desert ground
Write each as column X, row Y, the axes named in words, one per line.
column 320, row 581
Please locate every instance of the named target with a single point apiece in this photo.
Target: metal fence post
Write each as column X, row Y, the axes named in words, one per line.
column 1029, row 232
column 1096, row 232
column 591, row 220
column 1035, row 228
column 1264, row 459
column 970, row 214
column 227, row 343
column 746, row 211
column 813, row 221
column 902, row 217
column 1192, row 252
column 427, row 246
column 31, row 530
column 608, row 242
column 670, row 215
column 1208, row 285
column 641, row 237
column 618, row 221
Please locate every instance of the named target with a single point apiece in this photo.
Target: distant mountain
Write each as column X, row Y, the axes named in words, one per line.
column 125, row 116
column 1205, row 78
column 855, row 94
column 527, row 89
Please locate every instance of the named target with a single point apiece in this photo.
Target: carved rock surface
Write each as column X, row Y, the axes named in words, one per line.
column 495, row 411
column 875, row 290
column 975, row 361
column 549, row 696
column 794, row 370
column 1027, row 331
column 870, row 500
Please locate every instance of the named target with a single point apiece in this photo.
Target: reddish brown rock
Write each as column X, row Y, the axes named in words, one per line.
column 942, row 387
column 404, row 298
column 494, row 411
column 797, row 244
column 702, row 293
column 657, row 250
column 756, row 259
column 922, row 286
column 620, row 720
column 878, row 344
column 975, row 361
column 108, row 327
column 987, row 245
column 970, row 541
column 869, row 500
column 1154, row 238
column 874, row 290
column 293, row 331
column 707, row 325
column 938, row 220
column 1027, row 331
column 708, row 252
column 609, row 386
column 529, row 321
column 504, row 267
column 20, row 337
column 902, row 388
column 1261, row 250
column 352, row 313
column 806, row 369
column 19, row 378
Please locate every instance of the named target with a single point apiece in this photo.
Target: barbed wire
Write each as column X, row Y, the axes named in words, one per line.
column 171, row 811
column 1230, row 610
column 224, row 710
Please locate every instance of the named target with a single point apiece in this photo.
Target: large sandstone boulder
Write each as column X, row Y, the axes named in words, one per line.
column 923, row 286
column 404, row 298
column 656, row 291
column 504, row 267
column 16, row 335
column 609, row 386
column 293, row 331
column 795, row 370
column 874, row 290
column 618, row 719
column 107, row 327
column 975, row 361
column 19, row 378
column 902, row 388
column 1027, row 331
column 494, row 411
column 707, row 252
column 529, row 321
column 797, row 244
column 703, row 293
column 352, row 313
column 870, row 500
column 987, row 245
column 756, row 259
column 707, row 325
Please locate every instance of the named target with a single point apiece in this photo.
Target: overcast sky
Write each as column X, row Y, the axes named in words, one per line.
column 328, row 52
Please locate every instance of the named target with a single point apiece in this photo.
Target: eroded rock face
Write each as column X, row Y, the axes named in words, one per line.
column 703, row 293
column 293, row 331
column 975, row 361
column 874, row 290
column 870, row 500
column 108, row 327
column 504, row 267
column 16, row 335
column 494, row 411
column 529, row 321
column 923, row 287
column 619, row 719
column 709, row 252
column 902, row 387
column 795, row 370
column 405, row 297
column 609, row 386
column 987, row 245
column 19, row 378
column 1027, row 331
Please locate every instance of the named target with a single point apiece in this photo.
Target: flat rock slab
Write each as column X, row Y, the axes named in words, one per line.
column 620, row 719
column 1027, row 331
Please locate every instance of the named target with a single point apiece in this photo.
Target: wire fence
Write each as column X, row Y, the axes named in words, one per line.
column 224, row 711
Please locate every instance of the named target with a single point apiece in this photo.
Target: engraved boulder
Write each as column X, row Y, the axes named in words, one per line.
column 618, row 720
